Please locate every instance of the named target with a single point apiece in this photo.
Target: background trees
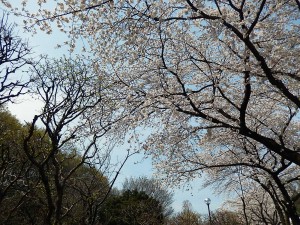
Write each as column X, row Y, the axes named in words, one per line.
column 75, row 154
column 53, row 163
column 187, row 216
column 154, row 189
column 132, row 207
column 15, row 168
column 24, row 197
column 226, row 218
column 211, row 79
column 140, row 201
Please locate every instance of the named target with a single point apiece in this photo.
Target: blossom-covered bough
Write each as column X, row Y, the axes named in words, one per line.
column 250, row 170
column 203, row 75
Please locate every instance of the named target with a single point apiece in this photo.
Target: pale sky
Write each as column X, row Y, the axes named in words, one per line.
column 135, row 166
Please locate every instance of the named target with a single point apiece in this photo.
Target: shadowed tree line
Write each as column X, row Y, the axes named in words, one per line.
column 52, row 168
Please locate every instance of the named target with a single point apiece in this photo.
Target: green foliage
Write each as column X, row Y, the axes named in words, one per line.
column 23, row 197
column 14, row 167
column 131, row 208
column 153, row 188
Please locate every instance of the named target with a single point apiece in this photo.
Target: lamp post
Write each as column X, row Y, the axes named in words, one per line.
column 208, row 201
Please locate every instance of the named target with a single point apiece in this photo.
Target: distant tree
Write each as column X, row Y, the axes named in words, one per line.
column 131, row 207
column 14, row 55
column 224, row 217
column 153, row 188
column 187, row 216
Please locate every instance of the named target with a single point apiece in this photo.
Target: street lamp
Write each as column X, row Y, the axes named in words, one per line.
column 208, row 201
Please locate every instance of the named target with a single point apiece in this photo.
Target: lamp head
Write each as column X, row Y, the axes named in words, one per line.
column 207, row 201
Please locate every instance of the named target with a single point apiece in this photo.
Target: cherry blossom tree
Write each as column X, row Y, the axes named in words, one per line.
column 198, row 66
column 258, row 200
column 259, row 207
column 203, row 75
column 248, row 165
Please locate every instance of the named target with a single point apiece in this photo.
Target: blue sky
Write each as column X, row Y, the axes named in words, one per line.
column 136, row 166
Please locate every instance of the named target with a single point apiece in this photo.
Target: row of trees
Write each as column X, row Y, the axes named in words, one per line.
column 141, row 201
column 215, row 82
column 24, row 198
column 56, row 168
column 27, row 186
column 188, row 216
column 144, row 201
column 33, row 191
